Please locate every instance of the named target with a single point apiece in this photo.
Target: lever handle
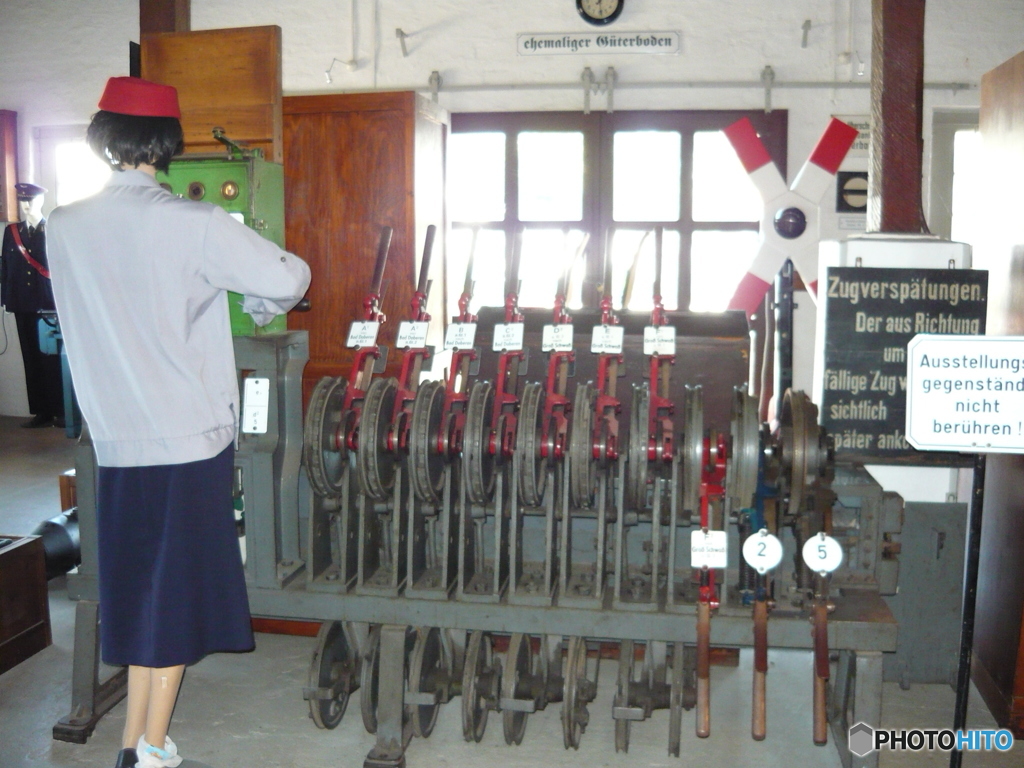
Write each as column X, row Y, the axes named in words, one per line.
column 428, row 247
column 383, row 246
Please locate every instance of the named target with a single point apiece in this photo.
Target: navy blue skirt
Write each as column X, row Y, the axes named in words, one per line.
column 172, row 588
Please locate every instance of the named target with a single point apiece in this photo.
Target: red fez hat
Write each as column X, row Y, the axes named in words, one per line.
column 135, row 96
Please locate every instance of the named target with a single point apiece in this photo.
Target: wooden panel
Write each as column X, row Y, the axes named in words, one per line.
column 350, row 169
column 8, row 164
column 24, row 600
column 165, row 16
column 999, row 632
column 229, row 78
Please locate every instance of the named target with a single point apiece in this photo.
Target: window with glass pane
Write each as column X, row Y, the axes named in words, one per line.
column 488, row 267
column 718, row 261
column 546, row 255
column 645, row 179
column 79, row 172
column 614, row 175
column 722, row 190
column 635, row 248
column 968, row 181
column 550, row 176
column 476, row 176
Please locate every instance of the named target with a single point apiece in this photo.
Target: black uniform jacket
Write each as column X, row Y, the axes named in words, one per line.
column 22, row 288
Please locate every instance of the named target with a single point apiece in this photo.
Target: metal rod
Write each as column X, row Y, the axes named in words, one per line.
column 755, row 85
column 963, row 675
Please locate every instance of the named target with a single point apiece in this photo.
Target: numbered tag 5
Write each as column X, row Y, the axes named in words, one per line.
column 762, row 551
column 709, row 548
column 556, row 338
column 363, row 333
column 607, row 339
column 822, row 553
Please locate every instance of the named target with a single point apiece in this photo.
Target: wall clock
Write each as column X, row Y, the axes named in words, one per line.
column 599, row 11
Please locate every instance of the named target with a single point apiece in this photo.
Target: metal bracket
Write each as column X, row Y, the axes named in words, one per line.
column 610, row 78
column 434, row 82
column 588, row 85
column 767, row 80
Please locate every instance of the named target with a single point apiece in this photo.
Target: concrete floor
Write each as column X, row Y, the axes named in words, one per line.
column 247, row 709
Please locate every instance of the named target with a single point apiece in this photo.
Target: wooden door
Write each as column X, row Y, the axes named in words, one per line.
column 354, row 164
column 999, row 634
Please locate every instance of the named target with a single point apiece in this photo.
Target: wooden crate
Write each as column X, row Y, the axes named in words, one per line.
column 24, row 600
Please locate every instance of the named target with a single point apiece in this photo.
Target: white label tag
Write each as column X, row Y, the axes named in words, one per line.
column 508, row 337
column 607, row 339
column 709, row 549
column 412, row 333
column 822, row 553
column 659, row 340
column 256, row 405
column 762, row 551
column 363, row 333
column 556, row 338
column 460, row 336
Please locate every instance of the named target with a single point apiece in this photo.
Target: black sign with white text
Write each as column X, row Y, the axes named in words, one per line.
column 871, row 315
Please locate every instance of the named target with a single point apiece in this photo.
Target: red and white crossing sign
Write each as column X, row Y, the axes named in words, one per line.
column 789, row 224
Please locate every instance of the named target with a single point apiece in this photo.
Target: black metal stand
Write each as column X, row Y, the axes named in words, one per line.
column 963, row 676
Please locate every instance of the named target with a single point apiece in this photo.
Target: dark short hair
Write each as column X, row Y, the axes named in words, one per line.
column 132, row 140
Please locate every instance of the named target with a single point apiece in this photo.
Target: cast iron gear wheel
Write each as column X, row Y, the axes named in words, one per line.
column 577, row 692
column 741, row 466
column 582, row 464
column 426, row 463
column 637, row 468
column 533, row 468
column 481, row 682
column 516, row 683
column 693, row 447
column 479, row 463
column 333, row 658
column 430, row 665
column 369, row 680
column 627, row 660
column 375, row 464
column 323, row 447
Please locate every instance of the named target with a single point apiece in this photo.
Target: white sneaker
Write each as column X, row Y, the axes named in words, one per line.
column 153, row 757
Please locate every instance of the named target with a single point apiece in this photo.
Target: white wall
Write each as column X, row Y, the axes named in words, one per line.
column 57, row 56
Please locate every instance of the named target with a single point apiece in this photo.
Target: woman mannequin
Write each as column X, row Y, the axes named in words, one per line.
column 140, row 279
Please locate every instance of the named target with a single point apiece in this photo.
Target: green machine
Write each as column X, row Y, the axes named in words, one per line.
column 248, row 187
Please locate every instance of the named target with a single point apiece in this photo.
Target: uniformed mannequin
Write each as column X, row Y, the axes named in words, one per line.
column 141, row 277
column 25, row 290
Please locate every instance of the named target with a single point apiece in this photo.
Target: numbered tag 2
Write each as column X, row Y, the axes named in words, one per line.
column 363, row 333
column 709, row 549
column 607, row 339
column 822, row 553
column 556, row 338
column 762, row 551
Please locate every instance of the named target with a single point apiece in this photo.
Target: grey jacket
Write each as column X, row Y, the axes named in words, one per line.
column 140, row 279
